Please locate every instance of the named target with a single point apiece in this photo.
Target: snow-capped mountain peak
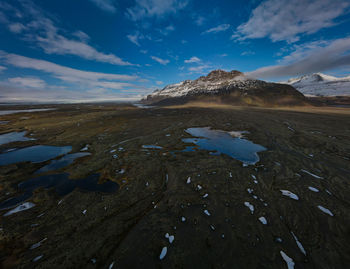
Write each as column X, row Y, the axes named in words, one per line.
column 319, row 84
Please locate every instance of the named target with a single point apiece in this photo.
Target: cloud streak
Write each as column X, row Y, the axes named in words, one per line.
column 309, row 58
column 217, row 29
column 105, row 5
column 160, row 60
column 289, row 19
column 154, row 8
column 39, row 29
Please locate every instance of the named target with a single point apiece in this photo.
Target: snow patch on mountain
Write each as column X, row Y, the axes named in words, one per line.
column 319, row 84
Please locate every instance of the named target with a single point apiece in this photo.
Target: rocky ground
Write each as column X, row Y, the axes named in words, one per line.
column 220, row 213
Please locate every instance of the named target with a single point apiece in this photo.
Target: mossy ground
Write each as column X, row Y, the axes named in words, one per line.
column 128, row 227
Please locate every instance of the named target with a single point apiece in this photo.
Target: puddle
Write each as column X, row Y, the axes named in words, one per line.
column 62, row 162
column 8, row 112
column 151, row 147
column 3, row 122
column 221, row 142
column 34, row 154
column 62, row 185
column 14, row 137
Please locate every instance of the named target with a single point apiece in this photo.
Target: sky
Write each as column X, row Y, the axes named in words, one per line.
column 122, row 50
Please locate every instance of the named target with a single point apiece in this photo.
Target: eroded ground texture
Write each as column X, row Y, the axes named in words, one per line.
column 176, row 209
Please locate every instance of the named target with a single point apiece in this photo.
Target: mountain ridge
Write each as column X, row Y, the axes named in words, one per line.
column 231, row 87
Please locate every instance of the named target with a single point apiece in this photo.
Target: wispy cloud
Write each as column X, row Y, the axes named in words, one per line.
column 309, row 58
column 2, row 68
column 159, row 60
column 135, row 38
column 70, row 75
column 41, row 30
column 200, row 68
column 289, row 19
column 170, row 28
column 28, row 82
column 217, row 29
column 154, row 8
column 193, row 59
column 105, row 5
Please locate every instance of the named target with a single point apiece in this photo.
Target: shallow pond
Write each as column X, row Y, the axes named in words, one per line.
column 8, row 112
column 14, row 137
column 221, row 142
column 33, row 154
column 62, row 185
column 62, row 162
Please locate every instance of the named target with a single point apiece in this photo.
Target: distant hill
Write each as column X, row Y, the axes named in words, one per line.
column 319, row 84
column 227, row 88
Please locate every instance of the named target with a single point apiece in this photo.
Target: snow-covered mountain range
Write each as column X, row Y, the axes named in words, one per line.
column 226, row 87
column 319, row 84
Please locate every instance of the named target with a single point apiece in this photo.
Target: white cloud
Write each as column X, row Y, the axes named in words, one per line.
column 159, row 82
column 199, row 20
column 289, row 19
column 247, row 53
column 193, row 59
column 309, row 58
column 105, row 5
column 199, row 69
column 2, row 68
column 159, row 60
column 16, row 27
column 154, row 8
column 70, row 75
column 135, row 38
column 217, row 29
column 41, row 30
column 28, row 82
column 167, row 30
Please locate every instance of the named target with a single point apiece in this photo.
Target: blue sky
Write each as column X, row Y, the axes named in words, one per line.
column 85, row 50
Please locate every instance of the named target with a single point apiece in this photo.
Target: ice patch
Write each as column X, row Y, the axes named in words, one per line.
column 36, row 245
column 163, row 253
column 300, row 246
column 290, row 194
column 325, row 210
column 250, row 206
column 313, row 189
column 22, row 207
column 85, row 148
column 288, row 260
column 37, row 258
column 311, row 174
column 263, row 220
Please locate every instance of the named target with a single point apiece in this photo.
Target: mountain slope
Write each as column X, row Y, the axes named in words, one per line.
column 319, row 84
column 227, row 88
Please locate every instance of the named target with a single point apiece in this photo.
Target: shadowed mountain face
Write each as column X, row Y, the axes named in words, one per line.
column 223, row 87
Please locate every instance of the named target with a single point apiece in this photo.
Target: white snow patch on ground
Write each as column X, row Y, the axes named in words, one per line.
column 288, row 260
column 199, row 187
column 111, row 265
column 206, row 212
column 183, row 219
column 171, row 239
column 37, row 258
column 263, row 220
column 290, row 194
column 36, row 245
column 205, row 195
column 311, row 174
column 22, row 207
column 300, row 246
column 188, row 180
column 163, row 253
column 250, row 206
column 313, row 189
column 325, row 210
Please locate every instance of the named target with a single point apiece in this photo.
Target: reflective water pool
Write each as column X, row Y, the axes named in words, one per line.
column 14, row 137
column 8, row 112
column 221, row 142
column 62, row 162
column 62, row 185
column 35, row 154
